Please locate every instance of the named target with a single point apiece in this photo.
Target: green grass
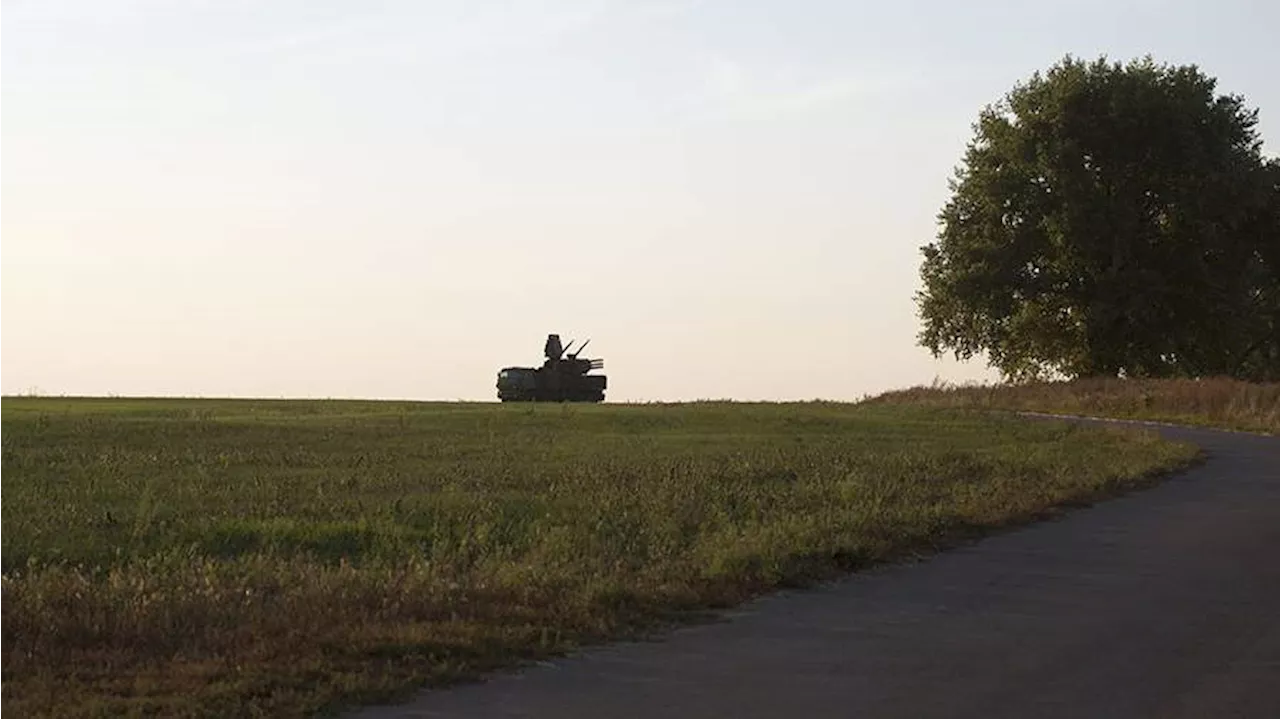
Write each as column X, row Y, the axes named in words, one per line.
column 215, row 558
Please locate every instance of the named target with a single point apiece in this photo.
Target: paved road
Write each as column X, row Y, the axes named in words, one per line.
column 1164, row 603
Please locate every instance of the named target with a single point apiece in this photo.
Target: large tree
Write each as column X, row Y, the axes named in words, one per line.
column 1110, row 219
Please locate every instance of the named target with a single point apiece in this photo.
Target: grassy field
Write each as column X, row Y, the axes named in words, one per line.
column 219, row 558
column 1215, row 402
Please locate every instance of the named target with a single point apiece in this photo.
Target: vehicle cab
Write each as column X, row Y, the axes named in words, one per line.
column 517, row 383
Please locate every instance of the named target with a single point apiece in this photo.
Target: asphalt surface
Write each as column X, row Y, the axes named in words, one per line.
column 1163, row 603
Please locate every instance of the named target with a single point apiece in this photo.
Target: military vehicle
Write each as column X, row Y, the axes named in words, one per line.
column 563, row 377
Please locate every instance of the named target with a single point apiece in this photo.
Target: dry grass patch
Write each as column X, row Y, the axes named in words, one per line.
column 1217, row 402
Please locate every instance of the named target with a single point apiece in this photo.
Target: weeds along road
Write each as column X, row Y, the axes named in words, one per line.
column 1163, row 603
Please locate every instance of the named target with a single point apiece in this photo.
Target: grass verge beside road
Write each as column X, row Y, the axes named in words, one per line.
column 215, row 558
column 1217, row 402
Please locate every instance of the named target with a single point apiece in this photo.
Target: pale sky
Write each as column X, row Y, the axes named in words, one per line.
column 396, row 199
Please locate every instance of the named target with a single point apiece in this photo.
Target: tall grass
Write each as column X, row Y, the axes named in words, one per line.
column 189, row 558
column 1214, row 402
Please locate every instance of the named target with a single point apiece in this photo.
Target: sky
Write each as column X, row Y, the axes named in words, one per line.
column 396, row 199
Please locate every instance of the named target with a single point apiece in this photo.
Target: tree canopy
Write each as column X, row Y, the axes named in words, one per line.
column 1110, row 220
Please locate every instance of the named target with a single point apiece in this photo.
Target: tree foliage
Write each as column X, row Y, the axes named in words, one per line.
column 1110, row 220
